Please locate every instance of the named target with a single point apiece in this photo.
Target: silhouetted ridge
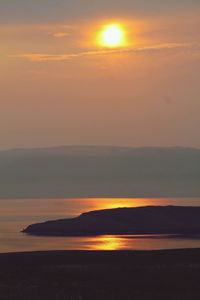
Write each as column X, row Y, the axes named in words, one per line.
column 139, row 220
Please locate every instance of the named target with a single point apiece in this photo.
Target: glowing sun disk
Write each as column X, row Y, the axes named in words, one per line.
column 112, row 36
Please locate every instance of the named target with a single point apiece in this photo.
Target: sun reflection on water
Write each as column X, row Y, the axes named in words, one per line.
column 110, row 203
column 72, row 207
column 107, row 242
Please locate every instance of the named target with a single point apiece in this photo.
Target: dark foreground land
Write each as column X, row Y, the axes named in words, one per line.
column 94, row 275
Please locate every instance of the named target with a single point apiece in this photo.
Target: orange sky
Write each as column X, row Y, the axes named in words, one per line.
column 58, row 87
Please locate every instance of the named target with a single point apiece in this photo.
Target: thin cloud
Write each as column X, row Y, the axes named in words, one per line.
column 68, row 56
column 59, row 34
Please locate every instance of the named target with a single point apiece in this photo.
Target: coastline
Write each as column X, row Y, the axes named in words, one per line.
column 57, row 257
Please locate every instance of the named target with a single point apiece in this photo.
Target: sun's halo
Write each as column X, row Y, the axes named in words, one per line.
column 112, row 36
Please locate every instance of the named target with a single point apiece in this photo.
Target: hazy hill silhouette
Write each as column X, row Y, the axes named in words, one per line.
column 139, row 220
column 100, row 171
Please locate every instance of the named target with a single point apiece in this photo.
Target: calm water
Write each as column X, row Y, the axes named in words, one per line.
column 17, row 214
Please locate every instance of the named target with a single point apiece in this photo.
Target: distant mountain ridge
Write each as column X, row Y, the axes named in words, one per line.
column 100, row 171
column 137, row 220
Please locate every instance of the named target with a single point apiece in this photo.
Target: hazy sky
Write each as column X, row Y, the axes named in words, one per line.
column 59, row 87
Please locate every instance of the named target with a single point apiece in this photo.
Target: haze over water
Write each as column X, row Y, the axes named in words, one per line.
column 16, row 214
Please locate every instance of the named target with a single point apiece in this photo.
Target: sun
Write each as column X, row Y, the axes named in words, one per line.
column 112, row 36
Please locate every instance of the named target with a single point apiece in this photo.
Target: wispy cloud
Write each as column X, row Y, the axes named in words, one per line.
column 37, row 57
column 60, row 34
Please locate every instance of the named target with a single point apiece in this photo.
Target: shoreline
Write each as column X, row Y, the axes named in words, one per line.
column 63, row 256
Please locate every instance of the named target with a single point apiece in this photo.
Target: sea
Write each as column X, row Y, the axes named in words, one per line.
column 17, row 214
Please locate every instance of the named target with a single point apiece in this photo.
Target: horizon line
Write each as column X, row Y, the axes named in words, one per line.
column 59, row 146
